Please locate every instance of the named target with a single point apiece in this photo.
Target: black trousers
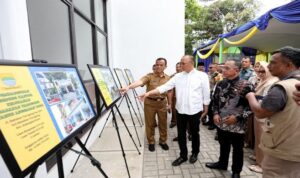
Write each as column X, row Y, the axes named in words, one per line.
column 182, row 121
column 226, row 139
column 210, row 115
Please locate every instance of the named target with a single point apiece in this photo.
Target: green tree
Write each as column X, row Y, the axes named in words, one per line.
column 235, row 13
column 203, row 23
column 192, row 17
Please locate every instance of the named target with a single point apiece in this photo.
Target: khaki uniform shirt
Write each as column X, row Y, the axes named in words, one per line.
column 152, row 81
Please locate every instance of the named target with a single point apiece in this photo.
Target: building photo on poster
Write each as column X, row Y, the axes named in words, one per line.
column 40, row 107
column 106, row 84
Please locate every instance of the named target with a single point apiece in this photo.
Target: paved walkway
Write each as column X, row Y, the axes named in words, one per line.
column 151, row 164
column 158, row 164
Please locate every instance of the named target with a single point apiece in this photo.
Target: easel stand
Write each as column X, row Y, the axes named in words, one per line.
column 86, row 140
column 127, row 102
column 87, row 154
column 32, row 175
column 122, row 119
column 60, row 167
column 119, row 137
column 120, row 140
column 135, row 95
column 126, row 97
column 114, row 120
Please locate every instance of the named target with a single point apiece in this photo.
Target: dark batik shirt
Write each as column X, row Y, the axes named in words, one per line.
column 229, row 99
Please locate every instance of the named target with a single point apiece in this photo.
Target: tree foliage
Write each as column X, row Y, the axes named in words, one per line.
column 203, row 23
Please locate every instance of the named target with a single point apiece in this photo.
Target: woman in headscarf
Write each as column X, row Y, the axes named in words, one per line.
column 249, row 134
column 265, row 82
column 254, row 79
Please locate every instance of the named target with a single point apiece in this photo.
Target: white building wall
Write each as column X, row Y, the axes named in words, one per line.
column 14, row 41
column 139, row 32
column 14, row 31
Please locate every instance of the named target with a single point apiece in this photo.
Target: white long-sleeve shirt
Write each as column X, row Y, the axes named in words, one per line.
column 192, row 91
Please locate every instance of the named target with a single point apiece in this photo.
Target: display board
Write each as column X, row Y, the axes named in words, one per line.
column 129, row 76
column 42, row 107
column 121, row 78
column 106, row 84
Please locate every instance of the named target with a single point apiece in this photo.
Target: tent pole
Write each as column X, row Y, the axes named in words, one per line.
column 221, row 52
column 196, row 60
column 269, row 57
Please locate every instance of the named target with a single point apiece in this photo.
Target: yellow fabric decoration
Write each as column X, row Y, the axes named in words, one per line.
column 210, row 51
column 247, row 37
column 261, row 57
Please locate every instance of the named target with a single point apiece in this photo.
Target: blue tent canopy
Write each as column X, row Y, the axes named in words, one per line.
column 278, row 27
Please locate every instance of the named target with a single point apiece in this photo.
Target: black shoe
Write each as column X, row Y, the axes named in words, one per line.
column 193, row 158
column 178, row 161
column 172, row 125
column 190, row 137
column 211, row 127
column 175, row 139
column 235, row 175
column 164, row 146
column 151, row 147
column 216, row 165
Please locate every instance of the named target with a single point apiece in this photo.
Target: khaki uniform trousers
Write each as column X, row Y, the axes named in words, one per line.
column 279, row 168
column 151, row 108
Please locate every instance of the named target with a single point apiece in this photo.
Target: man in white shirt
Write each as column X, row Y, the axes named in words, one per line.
column 193, row 97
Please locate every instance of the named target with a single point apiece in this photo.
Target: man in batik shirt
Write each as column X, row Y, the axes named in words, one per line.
column 231, row 110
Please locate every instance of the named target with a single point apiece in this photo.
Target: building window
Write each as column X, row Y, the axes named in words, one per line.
column 71, row 32
column 84, row 46
column 102, row 48
column 84, row 6
column 49, row 31
column 99, row 13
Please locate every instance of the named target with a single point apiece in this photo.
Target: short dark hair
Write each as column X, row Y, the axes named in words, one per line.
column 215, row 64
column 200, row 64
column 162, row 59
column 246, row 57
column 237, row 63
column 178, row 63
column 153, row 67
column 292, row 54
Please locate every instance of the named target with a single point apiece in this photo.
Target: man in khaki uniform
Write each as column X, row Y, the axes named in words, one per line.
column 192, row 97
column 157, row 104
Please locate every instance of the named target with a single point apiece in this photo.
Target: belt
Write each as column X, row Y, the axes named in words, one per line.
column 156, row 99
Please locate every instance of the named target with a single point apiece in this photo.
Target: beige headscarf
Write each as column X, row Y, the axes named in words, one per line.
column 264, row 85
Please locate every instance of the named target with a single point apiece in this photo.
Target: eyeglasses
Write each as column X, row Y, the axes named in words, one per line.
column 261, row 71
